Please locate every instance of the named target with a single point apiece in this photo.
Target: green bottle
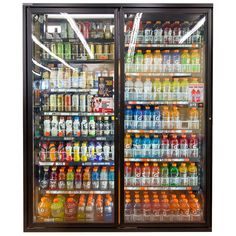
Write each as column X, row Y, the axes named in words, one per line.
column 174, row 175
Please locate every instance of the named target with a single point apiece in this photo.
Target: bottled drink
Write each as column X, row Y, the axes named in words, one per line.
column 156, row 146
column 84, row 152
column 128, row 210
column 157, row 61
column 138, row 118
column 166, row 89
column 106, row 126
column 164, row 175
column 148, row 61
column 174, row 209
column 192, row 175
column 157, row 33
column 129, row 60
column 112, row 151
column 53, row 179
column 98, row 151
column 103, row 178
column 44, row 208
column 76, row 127
column 106, row 151
column 193, row 146
column 183, row 144
column 147, row 88
column 69, row 152
column 184, row 85
column 128, row 174
column 75, row 78
column 81, row 211
column 156, row 210
column 78, row 178
column 84, row 127
column 195, row 210
column 108, row 212
column 195, row 60
column 61, row 127
column 147, row 118
column 128, row 117
column 128, row 146
column 167, row 32
column 44, row 182
column 176, row 32
column 129, row 89
column 138, row 89
column 184, row 210
column 138, row 61
column 156, row 118
column 43, row 151
column 148, row 38
column 157, row 89
column 95, row 178
column 87, row 179
column 111, row 178
column 57, row 209
column 183, row 175
column 99, row 127
column 138, row 211
column 54, row 126
column 112, row 125
column 167, row 58
column 70, row 179
column 165, row 210
column 175, row 121
column 147, row 210
column 99, row 213
column 89, row 211
column 146, row 173
column 128, row 30
column 193, row 118
column 165, row 118
column 174, row 175
column 108, row 33
column 76, row 151
column 165, row 146
column 184, row 30
column 70, row 209
column 175, row 89
column 68, row 126
column 137, row 175
column 174, row 146
column 155, row 175
column 185, row 61
column 137, row 146
column 52, row 152
column 62, row 179
column 92, row 125
column 146, row 146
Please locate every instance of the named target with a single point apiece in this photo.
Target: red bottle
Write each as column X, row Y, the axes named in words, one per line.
column 183, row 144
column 43, row 152
column 128, row 174
column 137, row 174
column 78, row 178
column 70, row 209
column 176, row 32
column 61, row 152
column 193, row 146
column 165, row 146
column 53, row 179
column 167, row 32
column 174, row 146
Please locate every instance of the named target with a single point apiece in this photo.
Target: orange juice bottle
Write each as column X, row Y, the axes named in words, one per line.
column 174, row 209
column 165, row 118
column 175, row 122
column 193, row 118
column 148, row 61
column 44, row 208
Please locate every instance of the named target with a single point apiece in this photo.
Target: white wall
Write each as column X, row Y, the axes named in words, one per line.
column 224, row 164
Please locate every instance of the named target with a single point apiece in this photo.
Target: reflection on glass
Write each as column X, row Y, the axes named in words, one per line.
column 73, row 78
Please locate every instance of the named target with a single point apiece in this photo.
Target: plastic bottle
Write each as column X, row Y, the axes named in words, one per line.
column 137, row 146
column 69, row 126
column 76, row 152
column 157, row 89
column 157, row 61
column 155, row 175
column 44, row 181
column 99, row 154
column 99, row 127
column 128, row 174
column 195, row 210
column 52, row 152
column 128, row 210
column 156, row 147
column 106, row 126
column 92, row 124
column 70, row 209
column 164, row 175
column 106, row 151
column 84, row 152
column 175, row 90
column 76, row 127
column 129, row 89
column 128, row 117
column 138, row 89
column 111, row 178
column 183, row 175
column 146, row 174
column 185, row 61
column 99, row 214
column 157, row 33
column 147, row 118
column 87, row 179
column 175, row 121
column 184, row 85
column 69, row 156
column 44, row 208
column 53, row 179
column 70, row 179
column 138, row 61
column 165, row 146
column 78, row 178
column 84, row 127
column 137, row 174
column 193, row 146
column 148, row 37
column 156, row 210
column 185, row 27
column 193, row 118
column 81, row 211
column 54, row 126
column 89, row 211
column 129, row 60
column 91, row 151
column 156, row 118
column 147, row 210
column 174, row 146
column 138, row 211
column 128, row 146
column 138, row 118
column 61, row 127
column 176, row 32
column 166, row 89
column 174, row 210
column 166, row 118
column 57, row 209
column 167, row 32
column 148, row 61
column 184, row 210
column 108, row 212
column 62, row 179
column 174, row 175
column 195, row 60
column 147, row 88
column 146, row 146
column 103, row 178
column 61, row 152
column 192, row 175
column 165, row 210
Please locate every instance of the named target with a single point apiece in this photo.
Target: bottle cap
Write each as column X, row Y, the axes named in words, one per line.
column 55, row 200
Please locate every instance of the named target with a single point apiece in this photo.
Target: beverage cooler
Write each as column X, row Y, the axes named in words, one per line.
column 117, row 117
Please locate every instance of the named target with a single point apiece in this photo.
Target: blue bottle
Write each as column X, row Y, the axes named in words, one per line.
column 147, row 117
column 128, row 117
column 156, row 146
column 95, row 178
column 156, row 118
column 111, row 178
column 138, row 118
column 108, row 212
column 137, row 146
column 146, row 146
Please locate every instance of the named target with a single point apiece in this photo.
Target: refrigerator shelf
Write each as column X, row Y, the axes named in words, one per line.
column 150, row 102
column 160, row 131
column 77, row 191
column 72, row 90
column 163, row 74
column 195, row 188
column 79, row 163
column 162, row 159
column 76, row 114
column 53, row 61
column 77, row 40
column 102, row 138
column 143, row 45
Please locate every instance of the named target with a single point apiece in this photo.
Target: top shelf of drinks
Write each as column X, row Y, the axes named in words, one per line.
column 164, row 34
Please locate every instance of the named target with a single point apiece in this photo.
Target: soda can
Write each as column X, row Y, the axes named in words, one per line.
column 67, row 47
column 60, row 102
column 112, row 51
column 75, row 102
column 64, row 30
column 45, row 54
column 53, row 48
column 98, row 51
column 89, row 103
column 67, row 102
column 45, row 102
column 106, row 48
column 60, row 50
column 82, row 102
column 53, row 102
column 75, row 51
column 92, row 48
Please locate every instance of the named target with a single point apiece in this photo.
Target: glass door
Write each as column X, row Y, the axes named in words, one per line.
column 73, row 118
column 164, row 129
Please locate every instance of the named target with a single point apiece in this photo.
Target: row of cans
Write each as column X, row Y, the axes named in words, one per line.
column 75, row 50
column 68, row 102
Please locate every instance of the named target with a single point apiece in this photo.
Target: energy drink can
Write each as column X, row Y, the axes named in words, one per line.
column 67, row 50
column 75, row 102
column 82, row 102
column 53, row 102
column 75, row 51
column 67, row 102
column 60, row 50
column 89, row 103
column 60, row 102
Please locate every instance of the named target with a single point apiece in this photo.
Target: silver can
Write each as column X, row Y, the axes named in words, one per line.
column 75, row 102
column 89, row 103
column 46, row 102
column 82, row 103
column 53, row 102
